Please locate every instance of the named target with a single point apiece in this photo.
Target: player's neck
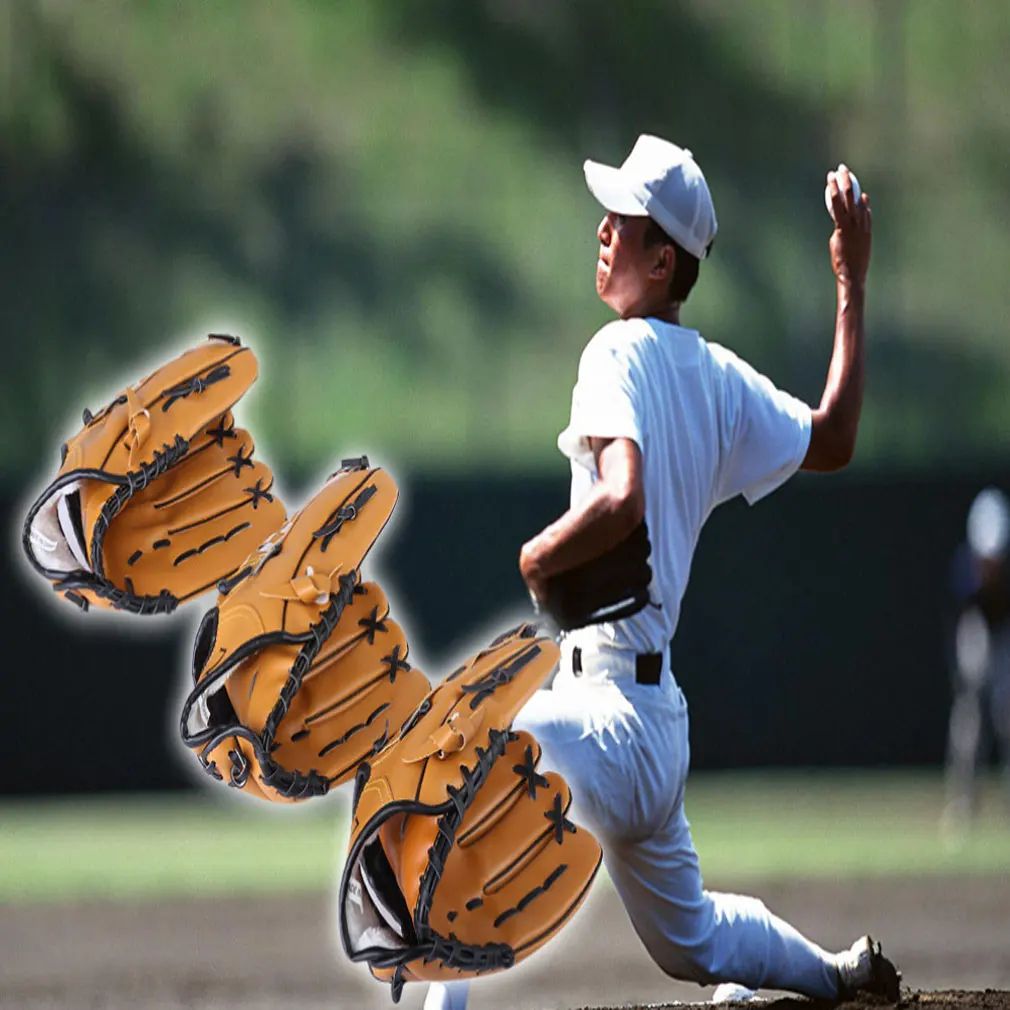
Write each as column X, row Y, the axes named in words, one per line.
column 670, row 313
column 667, row 312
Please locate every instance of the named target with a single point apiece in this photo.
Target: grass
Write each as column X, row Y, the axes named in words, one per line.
column 132, row 847
column 840, row 826
column 746, row 827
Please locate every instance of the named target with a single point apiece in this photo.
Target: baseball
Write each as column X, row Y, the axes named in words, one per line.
column 855, row 192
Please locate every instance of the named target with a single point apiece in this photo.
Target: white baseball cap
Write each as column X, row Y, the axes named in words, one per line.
column 663, row 181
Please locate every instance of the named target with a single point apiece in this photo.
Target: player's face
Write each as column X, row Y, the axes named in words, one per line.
column 622, row 270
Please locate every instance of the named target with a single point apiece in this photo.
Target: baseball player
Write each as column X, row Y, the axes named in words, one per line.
column 664, row 427
column 980, row 652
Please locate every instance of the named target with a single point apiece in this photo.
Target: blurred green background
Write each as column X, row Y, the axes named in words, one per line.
column 386, row 200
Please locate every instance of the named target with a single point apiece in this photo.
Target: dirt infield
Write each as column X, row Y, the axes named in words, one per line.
column 940, row 999
column 945, row 934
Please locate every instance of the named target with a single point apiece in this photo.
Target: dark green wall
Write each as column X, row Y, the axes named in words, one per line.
column 811, row 633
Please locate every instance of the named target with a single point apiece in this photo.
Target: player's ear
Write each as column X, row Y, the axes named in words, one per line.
column 662, row 267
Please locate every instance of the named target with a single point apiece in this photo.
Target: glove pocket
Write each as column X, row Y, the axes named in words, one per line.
column 218, row 450
column 189, row 559
column 548, row 894
column 358, row 659
column 335, row 738
column 520, row 878
column 328, row 686
column 506, row 784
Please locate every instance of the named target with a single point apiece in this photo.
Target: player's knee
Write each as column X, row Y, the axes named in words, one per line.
column 691, row 966
column 686, row 964
column 705, row 958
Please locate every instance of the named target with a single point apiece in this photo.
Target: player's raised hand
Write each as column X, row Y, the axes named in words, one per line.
column 851, row 240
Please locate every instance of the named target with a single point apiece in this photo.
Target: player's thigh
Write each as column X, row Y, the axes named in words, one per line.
column 595, row 774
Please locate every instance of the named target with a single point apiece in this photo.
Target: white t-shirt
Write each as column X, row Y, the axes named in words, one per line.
column 709, row 427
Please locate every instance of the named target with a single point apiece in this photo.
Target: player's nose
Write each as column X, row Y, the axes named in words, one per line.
column 605, row 230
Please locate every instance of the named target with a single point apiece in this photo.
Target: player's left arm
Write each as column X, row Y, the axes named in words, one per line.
column 608, row 514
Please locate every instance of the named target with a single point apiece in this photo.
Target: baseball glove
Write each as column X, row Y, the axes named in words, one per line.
column 607, row 588
column 157, row 497
column 462, row 860
column 299, row 673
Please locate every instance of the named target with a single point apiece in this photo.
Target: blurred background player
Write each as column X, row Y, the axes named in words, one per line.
column 979, row 638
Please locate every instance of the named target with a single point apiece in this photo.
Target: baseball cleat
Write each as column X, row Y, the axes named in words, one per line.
column 863, row 968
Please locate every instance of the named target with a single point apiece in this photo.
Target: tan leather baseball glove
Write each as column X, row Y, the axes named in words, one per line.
column 299, row 672
column 157, row 497
column 462, row 858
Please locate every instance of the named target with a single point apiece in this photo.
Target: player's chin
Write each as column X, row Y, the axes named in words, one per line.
column 608, row 293
column 602, row 279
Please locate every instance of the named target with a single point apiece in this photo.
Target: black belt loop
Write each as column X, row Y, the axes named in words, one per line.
column 648, row 667
column 577, row 661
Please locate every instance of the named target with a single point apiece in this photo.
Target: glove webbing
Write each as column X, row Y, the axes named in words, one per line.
column 130, row 483
column 290, row 784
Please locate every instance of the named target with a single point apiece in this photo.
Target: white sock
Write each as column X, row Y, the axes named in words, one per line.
column 447, row 996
